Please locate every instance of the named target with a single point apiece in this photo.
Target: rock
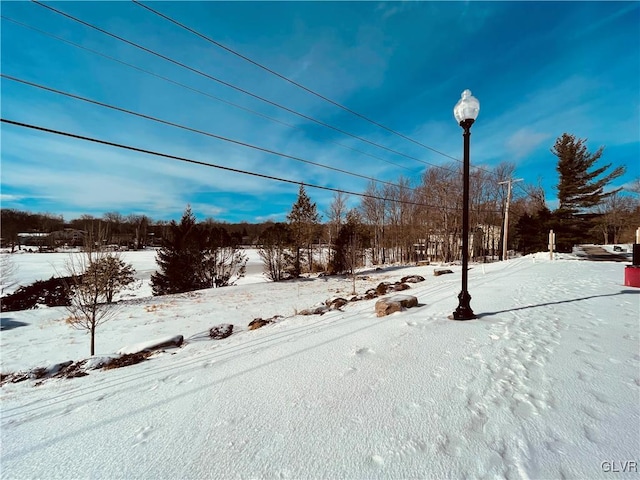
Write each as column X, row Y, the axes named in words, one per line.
column 126, row 360
column 171, row 342
column 221, row 331
column 259, row 323
column 157, row 344
column 336, row 303
column 412, row 279
column 319, row 310
column 437, row 273
column 398, row 287
column 395, row 303
column 382, row 288
column 384, row 308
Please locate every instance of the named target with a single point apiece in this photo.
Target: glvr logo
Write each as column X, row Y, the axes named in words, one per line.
column 618, row 467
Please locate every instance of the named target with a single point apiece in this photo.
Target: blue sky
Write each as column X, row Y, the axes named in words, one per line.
column 539, row 69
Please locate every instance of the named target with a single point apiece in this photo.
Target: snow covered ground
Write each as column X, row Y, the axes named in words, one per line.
column 545, row 384
column 32, row 266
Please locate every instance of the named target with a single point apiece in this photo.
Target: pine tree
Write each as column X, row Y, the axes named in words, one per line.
column 181, row 258
column 580, row 188
column 303, row 220
column 348, row 248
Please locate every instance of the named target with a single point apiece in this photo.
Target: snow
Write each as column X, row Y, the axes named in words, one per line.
column 544, row 384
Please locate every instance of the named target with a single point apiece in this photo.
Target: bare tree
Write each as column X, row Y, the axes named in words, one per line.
column 275, row 253
column 8, row 271
column 140, row 224
column 441, row 189
column 635, row 186
column 94, row 273
column 373, row 214
column 614, row 214
column 336, row 216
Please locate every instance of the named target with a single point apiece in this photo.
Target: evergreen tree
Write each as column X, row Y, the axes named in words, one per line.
column 303, row 220
column 532, row 231
column 579, row 187
column 348, row 246
column 181, row 258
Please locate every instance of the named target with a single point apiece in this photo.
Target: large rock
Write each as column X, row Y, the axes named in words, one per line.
column 261, row 322
column 336, row 303
column 318, row 310
column 444, row 271
column 383, row 288
column 395, row 303
column 221, row 331
column 151, row 345
column 412, row 279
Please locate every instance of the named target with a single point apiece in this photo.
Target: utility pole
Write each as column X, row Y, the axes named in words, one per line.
column 506, row 216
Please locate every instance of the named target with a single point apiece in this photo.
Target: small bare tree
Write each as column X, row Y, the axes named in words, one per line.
column 8, row 272
column 277, row 258
column 96, row 276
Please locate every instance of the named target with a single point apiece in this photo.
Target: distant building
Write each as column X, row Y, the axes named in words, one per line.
column 33, row 238
column 68, row 236
column 484, row 241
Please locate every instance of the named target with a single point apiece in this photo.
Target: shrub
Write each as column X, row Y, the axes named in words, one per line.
column 52, row 293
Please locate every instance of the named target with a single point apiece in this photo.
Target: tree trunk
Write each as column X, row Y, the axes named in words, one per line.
column 93, row 338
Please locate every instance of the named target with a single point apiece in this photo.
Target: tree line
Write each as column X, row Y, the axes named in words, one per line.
column 404, row 222
column 396, row 223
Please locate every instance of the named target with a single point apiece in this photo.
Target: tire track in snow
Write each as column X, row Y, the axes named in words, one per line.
column 232, row 349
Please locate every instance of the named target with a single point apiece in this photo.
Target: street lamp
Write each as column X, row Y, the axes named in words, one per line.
column 466, row 112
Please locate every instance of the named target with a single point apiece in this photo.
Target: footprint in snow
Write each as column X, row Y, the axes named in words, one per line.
column 596, row 348
column 600, row 397
column 349, row 371
column 592, row 434
column 585, row 377
column 364, row 351
column 592, row 413
column 141, row 435
column 452, row 445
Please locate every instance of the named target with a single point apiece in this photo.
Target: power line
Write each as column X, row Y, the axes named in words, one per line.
column 135, row 67
column 306, row 89
column 234, row 87
column 194, row 130
column 287, row 79
column 211, row 165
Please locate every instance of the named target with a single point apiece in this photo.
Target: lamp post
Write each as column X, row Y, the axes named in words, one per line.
column 466, row 112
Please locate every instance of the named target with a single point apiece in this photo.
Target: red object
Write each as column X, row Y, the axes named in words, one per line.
column 632, row 276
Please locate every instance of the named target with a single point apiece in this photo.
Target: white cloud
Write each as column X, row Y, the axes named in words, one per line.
column 524, row 141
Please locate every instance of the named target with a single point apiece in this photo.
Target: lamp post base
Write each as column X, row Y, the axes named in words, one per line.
column 463, row 312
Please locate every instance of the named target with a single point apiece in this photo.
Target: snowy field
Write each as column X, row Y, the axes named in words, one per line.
column 30, row 266
column 545, row 384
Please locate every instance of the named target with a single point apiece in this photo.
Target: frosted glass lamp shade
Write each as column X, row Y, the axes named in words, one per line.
column 467, row 107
